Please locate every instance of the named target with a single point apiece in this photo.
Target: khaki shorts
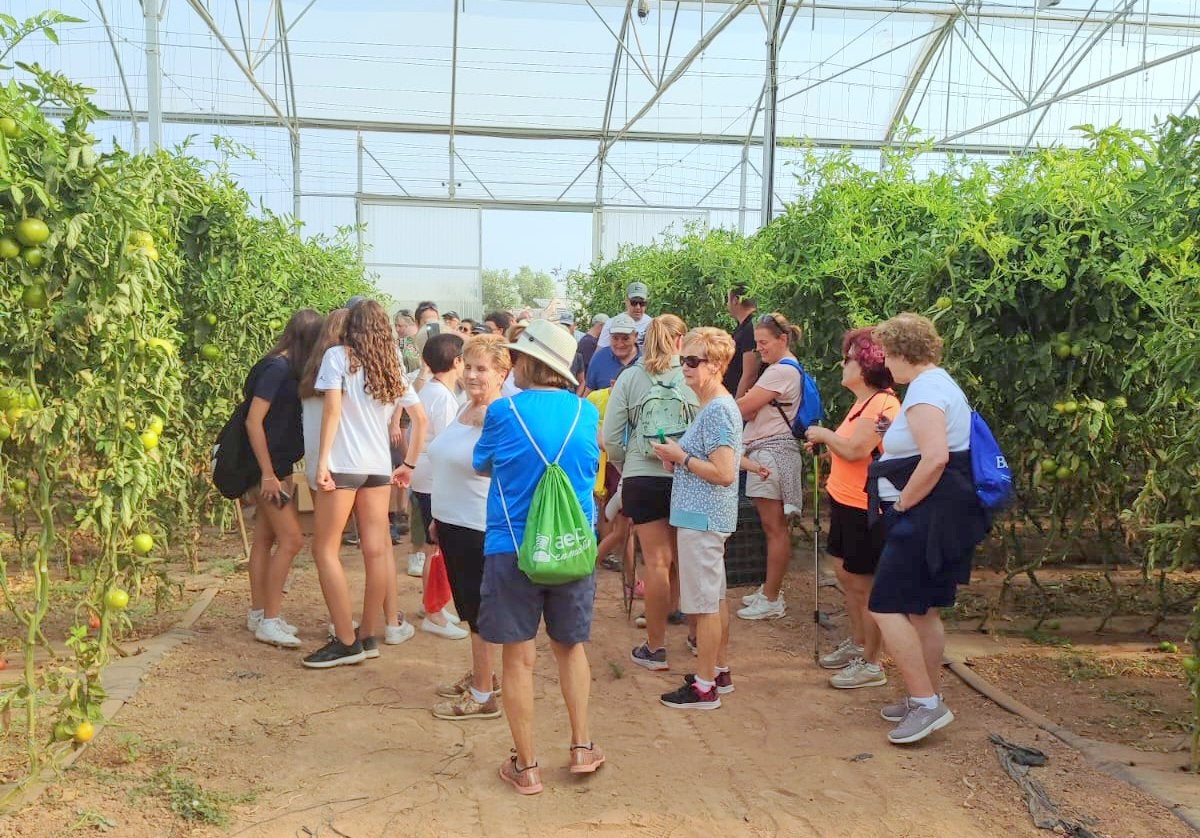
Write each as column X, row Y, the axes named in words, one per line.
column 701, row 570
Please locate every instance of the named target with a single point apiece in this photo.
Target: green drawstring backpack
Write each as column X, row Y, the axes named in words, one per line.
column 559, row 545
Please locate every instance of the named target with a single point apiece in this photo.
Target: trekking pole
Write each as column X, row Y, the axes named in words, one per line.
column 816, row 556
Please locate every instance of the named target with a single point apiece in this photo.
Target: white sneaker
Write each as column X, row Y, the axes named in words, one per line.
column 448, row 631
column 395, row 635
column 271, row 631
column 416, row 564
column 764, row 609
column 845, row 654
column 253, row 617
column 859, row 674
column 750, row 599
column 450, row 616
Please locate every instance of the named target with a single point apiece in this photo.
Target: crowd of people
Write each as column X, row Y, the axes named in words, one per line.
column 449, row 430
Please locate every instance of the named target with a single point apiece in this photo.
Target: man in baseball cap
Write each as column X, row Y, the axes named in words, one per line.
column 612, row 360
column 637, row 295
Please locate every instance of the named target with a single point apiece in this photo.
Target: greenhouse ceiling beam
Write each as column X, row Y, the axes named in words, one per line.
column 1007, row 82
column 935, row 40
column 263, row 56
column 620, row 39
column 200, row 10
column 853, row 67
column 681, row 68
column 520, row 132
column 509, row 203
column 1141, row 67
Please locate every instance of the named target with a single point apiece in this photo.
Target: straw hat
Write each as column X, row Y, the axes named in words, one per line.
column 549, row 343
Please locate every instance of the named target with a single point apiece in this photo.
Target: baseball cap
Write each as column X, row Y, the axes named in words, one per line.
column 355, row 300
column 637, row 291
column 599, row 318
column 566, row 317
column 622, row 324
column 450, row 314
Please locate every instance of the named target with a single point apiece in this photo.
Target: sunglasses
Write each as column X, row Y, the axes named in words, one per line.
column 464, row 330
column 693, row 361
column 641, row 303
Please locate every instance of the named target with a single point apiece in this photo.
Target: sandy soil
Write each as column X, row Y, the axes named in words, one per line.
column 355, row 752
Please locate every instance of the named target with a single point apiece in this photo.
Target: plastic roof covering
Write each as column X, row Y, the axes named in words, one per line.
column 545, row 65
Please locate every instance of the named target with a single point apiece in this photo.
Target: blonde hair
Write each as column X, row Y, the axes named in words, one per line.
column 910, row 336
column 492, row 347
column 717, row 343
column 660, row 350
column 780, row 325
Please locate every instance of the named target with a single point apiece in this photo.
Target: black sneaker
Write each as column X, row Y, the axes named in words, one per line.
column 653, row 660
column 724, row 682
column 677, row 618
column 370, row 647
column 335, row 653
column 688, row 697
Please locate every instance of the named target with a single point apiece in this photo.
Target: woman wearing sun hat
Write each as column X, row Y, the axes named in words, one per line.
column 545, row 418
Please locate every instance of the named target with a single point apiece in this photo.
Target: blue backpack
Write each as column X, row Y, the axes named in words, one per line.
column 993, row 478
column 810, row 411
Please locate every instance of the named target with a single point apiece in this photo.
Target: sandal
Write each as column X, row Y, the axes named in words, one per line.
column 585, row 759
column 527, row 780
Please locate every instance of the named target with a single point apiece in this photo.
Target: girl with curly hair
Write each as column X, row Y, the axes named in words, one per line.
column 364, row 395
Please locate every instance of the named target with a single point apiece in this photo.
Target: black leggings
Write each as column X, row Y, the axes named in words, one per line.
column 462, row 549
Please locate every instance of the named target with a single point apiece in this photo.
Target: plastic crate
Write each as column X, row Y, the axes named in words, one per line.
column 746, row 549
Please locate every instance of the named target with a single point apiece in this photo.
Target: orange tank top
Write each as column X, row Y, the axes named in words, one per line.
column 847, row 480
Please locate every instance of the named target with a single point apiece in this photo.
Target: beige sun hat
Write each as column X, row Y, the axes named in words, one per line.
column 549, row 343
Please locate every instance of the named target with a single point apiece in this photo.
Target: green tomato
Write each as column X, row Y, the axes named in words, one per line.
column 155, row 424
column 9, row 398
column 63, row 732
column 9, row 249
column 9, row 127
column 942, row 303
column 149, row 440
column 32, row 231
column 210, row 352
column 115, row 599
column 5, row 431
column 33, row 297
column 19, row 485
column 1118, row 403
column 275, row 324
column 210, row 319
column 143, row 543
column 1076, row 350
column 1070, row 407
column 34, row 257
column 1063, row 351
column 1191, row 665
column 29, row 401
column 1062, row 473
column 1049, row 465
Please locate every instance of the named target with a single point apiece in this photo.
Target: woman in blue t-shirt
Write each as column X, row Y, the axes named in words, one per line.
column 277, row 440
column 545, row 416
column 704, row 498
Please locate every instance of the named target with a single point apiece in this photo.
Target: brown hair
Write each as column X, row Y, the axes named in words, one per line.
column 780, row 325
column 910, row 336
column 659, row 350
column 494, row 347
column 332, row 330
column 869, row 355
column 299, row 336
column 370, row 346
column 537, row 374
column 717, row 343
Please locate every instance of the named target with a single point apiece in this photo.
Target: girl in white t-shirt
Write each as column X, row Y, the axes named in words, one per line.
column 364, row 391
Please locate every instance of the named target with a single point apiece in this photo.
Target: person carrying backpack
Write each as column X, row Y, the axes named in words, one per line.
column 925, row 487
column 774, row 479
column 541, row 449
column 651, row 402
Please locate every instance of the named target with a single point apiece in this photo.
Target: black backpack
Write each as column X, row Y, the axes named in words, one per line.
column 234, row 467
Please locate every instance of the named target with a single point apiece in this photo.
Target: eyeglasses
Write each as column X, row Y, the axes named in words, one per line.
column 641, row 303
column 693, row 361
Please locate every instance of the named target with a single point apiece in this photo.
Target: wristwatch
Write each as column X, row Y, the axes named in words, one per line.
column 687, row 460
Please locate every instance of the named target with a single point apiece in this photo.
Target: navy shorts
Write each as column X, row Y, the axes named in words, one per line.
column 851, row 540
column 904, row 583
column 512, row 607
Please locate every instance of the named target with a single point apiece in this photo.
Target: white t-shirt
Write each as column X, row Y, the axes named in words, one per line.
column 441, row 406
column 459, row 494
column 311, row 422
column 641, row 326
column 933, row 387
column 361, row 445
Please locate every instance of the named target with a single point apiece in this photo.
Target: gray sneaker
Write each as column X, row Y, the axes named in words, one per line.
column 920, row 722
column 897, row 711
column 845, row 654
column 859, row 674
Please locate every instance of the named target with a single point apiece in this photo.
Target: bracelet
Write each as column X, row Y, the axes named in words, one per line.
column 407, row 464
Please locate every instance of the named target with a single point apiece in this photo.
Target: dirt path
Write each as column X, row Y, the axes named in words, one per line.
column 355, row 752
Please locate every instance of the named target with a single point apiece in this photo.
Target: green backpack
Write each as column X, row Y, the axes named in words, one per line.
column 559, row 545
column 666, row 412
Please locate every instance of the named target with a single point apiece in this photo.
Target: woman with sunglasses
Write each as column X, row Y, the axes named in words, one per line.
column 648, row 396
column 774, row 472
column 704, row 502
column 854, row 543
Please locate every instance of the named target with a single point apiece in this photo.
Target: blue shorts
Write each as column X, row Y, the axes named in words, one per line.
column 904, row 583
column 512, row 607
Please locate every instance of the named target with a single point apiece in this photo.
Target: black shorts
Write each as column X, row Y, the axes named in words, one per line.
column 852, row 541
column 425, row 505
column 646, row 499
column 462, row 550
column 359, row 481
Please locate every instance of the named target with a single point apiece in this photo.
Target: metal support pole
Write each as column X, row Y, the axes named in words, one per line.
column 358, row 208
column 453, row 97
column 153, row 75
column 771, row 94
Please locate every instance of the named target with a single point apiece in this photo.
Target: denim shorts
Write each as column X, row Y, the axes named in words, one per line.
column 512, row 607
